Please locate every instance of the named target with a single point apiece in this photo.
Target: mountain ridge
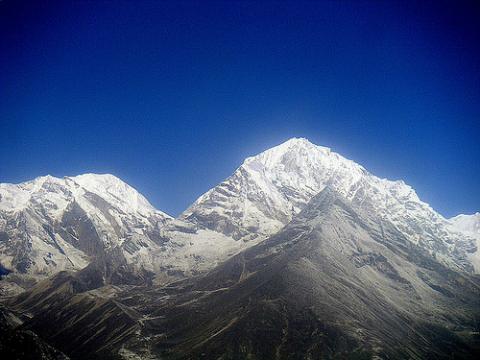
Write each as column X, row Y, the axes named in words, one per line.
column 41, row 219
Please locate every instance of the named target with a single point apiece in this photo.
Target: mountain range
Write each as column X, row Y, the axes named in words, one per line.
column 299, row 254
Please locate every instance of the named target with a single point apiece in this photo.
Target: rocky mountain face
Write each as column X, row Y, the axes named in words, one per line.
column 336, row 282
column 267, row 190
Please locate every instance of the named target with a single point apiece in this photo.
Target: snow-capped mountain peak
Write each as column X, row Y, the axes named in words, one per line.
column 51, row 224
column 299, row 164
column 289, row 155
column 60, row 191
column 268, row 189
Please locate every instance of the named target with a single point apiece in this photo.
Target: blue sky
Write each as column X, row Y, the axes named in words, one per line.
column 172, row 96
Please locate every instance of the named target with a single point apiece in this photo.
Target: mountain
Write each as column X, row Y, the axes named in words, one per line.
column 470, row 226
column 300, row 254
column 269, row 189
column 49, row 225
column 336, row 282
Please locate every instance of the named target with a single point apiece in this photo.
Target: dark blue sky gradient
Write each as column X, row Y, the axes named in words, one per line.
column 171, row 97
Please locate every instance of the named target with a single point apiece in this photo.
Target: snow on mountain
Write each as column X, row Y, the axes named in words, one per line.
column 268, row 189
column 50, row 224
column 470, row 226
column 42, row 220
column 468, row 223
column 58, row 192
column 116, row 192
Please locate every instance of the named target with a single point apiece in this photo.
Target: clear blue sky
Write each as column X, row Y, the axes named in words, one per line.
column 172, row 96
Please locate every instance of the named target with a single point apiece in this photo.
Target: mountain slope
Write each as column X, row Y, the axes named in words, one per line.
column 336, row 282
column 20, row 344
column 267, row 190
